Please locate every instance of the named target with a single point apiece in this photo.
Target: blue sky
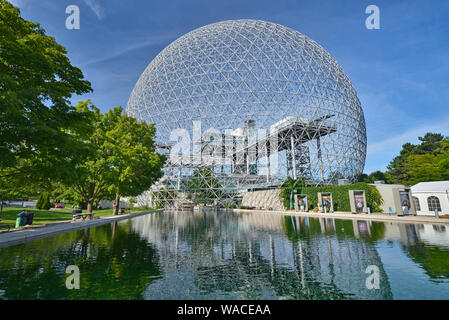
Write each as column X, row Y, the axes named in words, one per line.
column 400, row 72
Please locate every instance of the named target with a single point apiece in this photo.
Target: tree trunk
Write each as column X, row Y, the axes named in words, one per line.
column 89, row 207
column 1, row 209
column 116, row 204
column 90, row 199
column 114, row 227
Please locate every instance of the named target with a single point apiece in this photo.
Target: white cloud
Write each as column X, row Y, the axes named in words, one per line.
column 396, row 142
column 17, row 3
column 96, row 8
column 156, row 40
column 381, row 152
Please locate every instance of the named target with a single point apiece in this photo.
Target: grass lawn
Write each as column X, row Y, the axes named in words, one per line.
column 45, row 216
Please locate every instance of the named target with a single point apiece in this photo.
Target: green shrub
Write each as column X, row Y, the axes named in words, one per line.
column 340, row 195
column 43, row 202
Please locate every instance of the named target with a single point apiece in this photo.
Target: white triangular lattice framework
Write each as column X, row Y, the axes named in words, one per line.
column 279, row 104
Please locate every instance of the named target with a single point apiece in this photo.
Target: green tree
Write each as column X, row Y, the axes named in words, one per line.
column 164, row 197
column 8, row 191
column 133, row 163
column 432, row 166
column 88, row 177
column 13, row 187
column 203, row 187
column 43, row 202
column 120, row 159
column 288, row 188
column 363, row 177
column 398, row 170
column 430, row 142
column 36, row 82
column 377, row 175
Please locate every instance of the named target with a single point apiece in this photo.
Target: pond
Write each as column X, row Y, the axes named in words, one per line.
column 229, row 255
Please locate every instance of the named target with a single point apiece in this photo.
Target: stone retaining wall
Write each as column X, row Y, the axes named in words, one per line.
column 263, row 199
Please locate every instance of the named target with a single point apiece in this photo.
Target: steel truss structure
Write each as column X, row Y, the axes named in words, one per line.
column 270, row 103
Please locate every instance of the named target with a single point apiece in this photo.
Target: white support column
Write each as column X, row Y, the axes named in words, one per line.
column 294, row 169
column 267, row 157
column 320, row 159
column 293, row 157
column 272, row 256
column 179, row 179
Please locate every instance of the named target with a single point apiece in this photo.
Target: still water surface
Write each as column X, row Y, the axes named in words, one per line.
column 226, row 255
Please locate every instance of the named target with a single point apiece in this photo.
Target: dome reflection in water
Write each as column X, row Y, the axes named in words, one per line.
column 227, row 255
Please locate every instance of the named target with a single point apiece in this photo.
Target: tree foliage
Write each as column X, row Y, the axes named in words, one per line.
column 433, row 166
column 133, row 163
column 164, row 197
column 120, row 158
column 288, row 188
column 43, row 202
column 10, row 190
column 36, row 82
column 372, row 177
column 399, row 168
column 203, row 187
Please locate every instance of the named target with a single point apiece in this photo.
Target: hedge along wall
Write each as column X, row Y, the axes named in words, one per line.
column 340, row 196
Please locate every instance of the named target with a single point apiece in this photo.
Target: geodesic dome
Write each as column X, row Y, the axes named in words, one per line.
column 242, row 77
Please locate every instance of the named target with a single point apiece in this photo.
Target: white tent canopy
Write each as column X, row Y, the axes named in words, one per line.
column 431, row 187
column 430, row 197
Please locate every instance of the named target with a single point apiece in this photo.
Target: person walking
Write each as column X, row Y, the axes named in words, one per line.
column 360, row 206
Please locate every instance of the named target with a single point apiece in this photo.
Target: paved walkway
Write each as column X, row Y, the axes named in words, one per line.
column 16, row 237
column 362, row 216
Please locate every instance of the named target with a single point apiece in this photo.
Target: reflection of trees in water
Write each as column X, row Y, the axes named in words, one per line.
column 114, row 263
column 261, row 255
column 433, row 259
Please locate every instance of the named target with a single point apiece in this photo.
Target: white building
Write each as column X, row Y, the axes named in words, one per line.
column 428, row 196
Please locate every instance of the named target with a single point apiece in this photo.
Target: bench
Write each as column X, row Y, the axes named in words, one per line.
column 81, row 216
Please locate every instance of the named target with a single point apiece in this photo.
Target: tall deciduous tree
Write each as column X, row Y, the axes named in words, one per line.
column 89, row 171
column 130, row 147
column 121, row 157
column 36, row 82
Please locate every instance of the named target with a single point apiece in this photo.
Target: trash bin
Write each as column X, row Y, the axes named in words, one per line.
column 122, row 211
column 20, row 219
column 28, row 218
column 25, row 218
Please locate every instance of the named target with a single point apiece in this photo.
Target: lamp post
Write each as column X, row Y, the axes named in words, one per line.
column 291, row 196
column 296, row 201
